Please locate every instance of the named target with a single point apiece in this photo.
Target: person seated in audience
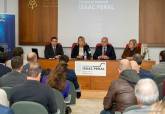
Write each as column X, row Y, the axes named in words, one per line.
column 159, row 69
column 121, row 91
column 142, row 72
column 18, row 51
column 15, row 77
column 57, row 79
column 146, row 92
column 4, row 103
column 33, row 91
column 158, row 108
column 81, row 50
column 31, row 58
column 71, row 75
column 104, row 50
column 3, row 67
column 53, row 50
column 131, row 49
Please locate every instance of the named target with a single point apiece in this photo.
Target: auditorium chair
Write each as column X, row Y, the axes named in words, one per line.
column 72, row 93
column 61, row 106
column 28, row 107
column 8, row 91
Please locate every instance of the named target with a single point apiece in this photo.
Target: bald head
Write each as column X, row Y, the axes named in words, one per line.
column 32, row 57
column 135, row 66
column 124, row 65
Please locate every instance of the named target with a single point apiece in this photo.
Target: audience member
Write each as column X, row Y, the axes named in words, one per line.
column 18, row 51
column 3, row 67
column 4, row 103
column 57, row 79
column 54, row 49
column 104, row 50
column 131, row 49
column 159, row 69
column 146, row 93
column 33, row 91
column 14, row 77
column 158, row 108
column 31, row 58
column 121, row 92
column 71, row 75
column 142, row 72
column 81, row 50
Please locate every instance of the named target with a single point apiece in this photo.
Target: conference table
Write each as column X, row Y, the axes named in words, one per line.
column 94, row 82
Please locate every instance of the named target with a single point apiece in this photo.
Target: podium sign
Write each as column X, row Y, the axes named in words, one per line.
column 90, row 68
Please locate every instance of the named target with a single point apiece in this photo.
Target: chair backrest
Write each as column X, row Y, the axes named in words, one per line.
column 35, row 50
column 60, row 101
column 28, row 107
column 72, row 93
column 8, row 91
column 131, row 108
column 139, row 45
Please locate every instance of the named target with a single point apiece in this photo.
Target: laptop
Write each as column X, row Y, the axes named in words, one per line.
column 35, row 50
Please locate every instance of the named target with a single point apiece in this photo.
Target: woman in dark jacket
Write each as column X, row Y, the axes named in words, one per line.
column 81, row 50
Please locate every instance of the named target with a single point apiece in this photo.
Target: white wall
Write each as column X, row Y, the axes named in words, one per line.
column 12, row 7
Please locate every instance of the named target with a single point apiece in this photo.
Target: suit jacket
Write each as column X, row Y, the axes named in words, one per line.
column 109, row 52
column 128, row 53
column 159, row 69
column 49, row 52
column 34, row 91
column 12, row 79
column 75, row 51
column 4, row 70
column 5, row 110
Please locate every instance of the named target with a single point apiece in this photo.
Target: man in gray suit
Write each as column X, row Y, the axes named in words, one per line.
column 146, row 93
column 14, row 77
column 159, row 69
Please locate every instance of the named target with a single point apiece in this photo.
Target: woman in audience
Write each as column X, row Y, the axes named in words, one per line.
column 81, row 50
column 4, row 103
column 131, row 49
column 158, row 108
column 57, row 79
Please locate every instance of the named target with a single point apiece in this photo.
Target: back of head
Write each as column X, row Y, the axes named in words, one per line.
column 16, row 62
column 162, row 56
column 124, row 65
column 138, row 58
column 18, row 51
column 32, row 57
column 3, row 57
column 34, row 70
column 146, row 92
column 135, row 66
column 64, row 58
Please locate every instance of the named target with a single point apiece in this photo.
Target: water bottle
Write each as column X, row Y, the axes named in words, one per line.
column 85, row 55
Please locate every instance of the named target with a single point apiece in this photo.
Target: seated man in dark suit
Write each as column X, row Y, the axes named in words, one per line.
column 54, row 49
column 1, row 49
column 81, row 50
column 3, row 67
column 15, row 77
column 33, row 91
column 104, row 51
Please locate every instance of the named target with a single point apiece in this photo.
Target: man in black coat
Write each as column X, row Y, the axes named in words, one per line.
column 54, row 49
column 104, row 50
column 3, row 67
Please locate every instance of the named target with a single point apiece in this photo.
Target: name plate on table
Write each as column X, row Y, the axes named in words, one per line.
column 90, row 68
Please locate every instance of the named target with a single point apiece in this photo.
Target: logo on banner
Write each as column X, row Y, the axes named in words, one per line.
column 90, row 68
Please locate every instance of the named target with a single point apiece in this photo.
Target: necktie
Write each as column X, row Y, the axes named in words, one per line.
column 54, row 49
column 104, row 50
